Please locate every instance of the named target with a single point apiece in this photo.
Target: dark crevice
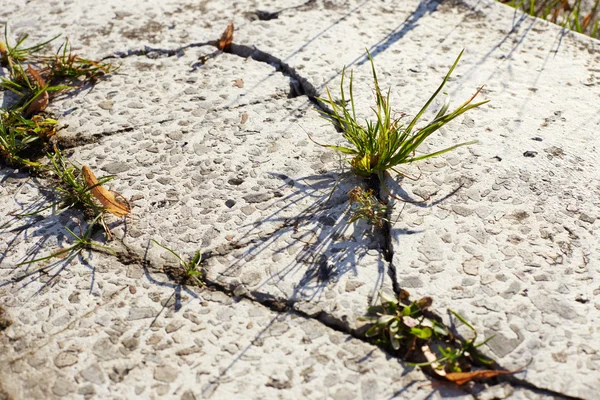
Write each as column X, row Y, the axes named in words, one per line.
column 299, row 85
column 262, row 15
column 304, row 87
column 387, row 246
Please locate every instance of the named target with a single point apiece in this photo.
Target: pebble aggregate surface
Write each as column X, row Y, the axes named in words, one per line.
column 213, row 153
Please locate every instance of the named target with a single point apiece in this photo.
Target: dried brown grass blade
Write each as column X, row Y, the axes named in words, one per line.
column 36, row 75
column 226, row 38
column 104, row 196
column 460, row 378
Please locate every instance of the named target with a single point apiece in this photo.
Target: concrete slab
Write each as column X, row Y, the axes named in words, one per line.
column 214, row 154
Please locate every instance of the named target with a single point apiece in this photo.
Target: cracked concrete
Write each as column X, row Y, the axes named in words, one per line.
column 213, row 153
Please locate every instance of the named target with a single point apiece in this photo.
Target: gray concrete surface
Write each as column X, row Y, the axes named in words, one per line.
column 215, row 155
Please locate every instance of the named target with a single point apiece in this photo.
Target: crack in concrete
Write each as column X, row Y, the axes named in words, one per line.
column 301, row 87
column 282, row 306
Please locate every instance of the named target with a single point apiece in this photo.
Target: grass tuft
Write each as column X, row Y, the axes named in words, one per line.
column 382, row 144
column 33, row 79
column 567, row 13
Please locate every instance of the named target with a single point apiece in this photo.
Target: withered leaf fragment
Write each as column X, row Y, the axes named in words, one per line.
column 104, row 196
column 39, row 104
column 460, row 378
column 41, row 101
column 226, row 38
column 35, row 75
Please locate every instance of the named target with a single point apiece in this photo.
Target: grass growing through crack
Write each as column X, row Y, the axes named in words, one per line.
column 382, row 144
column 567, row 13
column 190, row 268
column 32, row 79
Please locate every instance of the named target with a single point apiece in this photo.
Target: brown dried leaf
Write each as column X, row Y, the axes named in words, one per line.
column 586, row 21
column 105, row 197
column 238, row 83
column 36, row 75
column 226, row 38
column 39, row 104
column 460, row 378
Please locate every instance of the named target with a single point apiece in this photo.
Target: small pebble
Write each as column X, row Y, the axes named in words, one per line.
column 530, row 153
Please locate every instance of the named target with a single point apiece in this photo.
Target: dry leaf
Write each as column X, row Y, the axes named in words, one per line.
column 108, row 200
column 35, row 75
column 226, row 38
column 586, row 21
column 238, row 83
column 244, row 118
column 39, row 104
column 460, row 378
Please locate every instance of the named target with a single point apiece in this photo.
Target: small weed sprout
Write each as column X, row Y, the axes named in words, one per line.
column 364, row 205
column 82, row 242
column 191, row 267
column 383, row 144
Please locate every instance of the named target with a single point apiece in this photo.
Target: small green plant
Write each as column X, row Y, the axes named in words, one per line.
column 82, row 242
column 191, row 267
column 394, row 323
column 385, row 143
column 569, row 14
column 364, row 205
column 71, row 186
column 401, row 325
column 451, row 357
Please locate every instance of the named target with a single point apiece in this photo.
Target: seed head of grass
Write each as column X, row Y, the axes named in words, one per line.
column 364, row 205
column 384, row 143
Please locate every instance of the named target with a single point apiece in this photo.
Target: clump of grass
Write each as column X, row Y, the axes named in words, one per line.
column 19, row 133
column 364, row 205
column 65, row 64
column 24, row 130
column 73, row 190
column 382, row 144
column 191, row 268
column 408, row 328
column 567, row 13
column 11, row 56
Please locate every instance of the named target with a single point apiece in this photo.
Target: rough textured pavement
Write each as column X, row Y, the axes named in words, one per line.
column 215, row 155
